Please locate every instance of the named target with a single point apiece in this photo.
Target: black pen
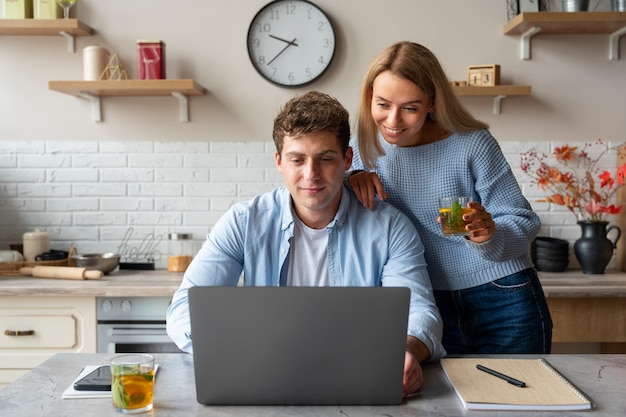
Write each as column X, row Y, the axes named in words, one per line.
column 507, row 378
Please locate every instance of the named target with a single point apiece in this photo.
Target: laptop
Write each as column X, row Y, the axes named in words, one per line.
column 299, row 345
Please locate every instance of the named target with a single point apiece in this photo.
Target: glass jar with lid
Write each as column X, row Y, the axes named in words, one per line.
column 180, row 251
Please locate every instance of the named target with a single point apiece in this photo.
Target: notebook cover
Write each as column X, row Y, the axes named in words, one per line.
column 546, row 388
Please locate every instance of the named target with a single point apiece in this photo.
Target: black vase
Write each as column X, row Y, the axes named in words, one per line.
column 594, row 249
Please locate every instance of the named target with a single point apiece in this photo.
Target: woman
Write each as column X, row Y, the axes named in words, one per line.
column 416, row 143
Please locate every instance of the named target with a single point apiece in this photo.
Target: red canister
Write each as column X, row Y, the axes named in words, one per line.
column 150, row 60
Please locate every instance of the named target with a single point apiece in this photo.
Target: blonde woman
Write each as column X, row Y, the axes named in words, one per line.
column 415, row 143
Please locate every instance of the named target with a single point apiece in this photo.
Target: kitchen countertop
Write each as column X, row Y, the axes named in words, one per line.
column 161, row 283
column 38, row 393
column 119, row 283
column 574, row 284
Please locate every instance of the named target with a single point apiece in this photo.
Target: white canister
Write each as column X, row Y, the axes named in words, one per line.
column 35, row 243
column 95, row 60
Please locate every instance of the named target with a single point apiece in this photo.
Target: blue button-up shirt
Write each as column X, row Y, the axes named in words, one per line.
column 365, row 248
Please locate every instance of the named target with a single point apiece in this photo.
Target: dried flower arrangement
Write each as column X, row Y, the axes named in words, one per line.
column 574, row 181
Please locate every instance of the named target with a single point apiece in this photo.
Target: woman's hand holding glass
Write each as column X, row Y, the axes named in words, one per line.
column 482, row 226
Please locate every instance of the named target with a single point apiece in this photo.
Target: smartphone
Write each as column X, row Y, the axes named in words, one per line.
column 97, row 380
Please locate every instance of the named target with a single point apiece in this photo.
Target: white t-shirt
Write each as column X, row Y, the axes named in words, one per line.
column 308, row 266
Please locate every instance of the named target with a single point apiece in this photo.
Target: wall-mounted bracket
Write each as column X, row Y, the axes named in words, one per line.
column 183, row 102
column 497, row 100
column 614, row 43
column 525, row 41
column 70, row 41
column 96, row 110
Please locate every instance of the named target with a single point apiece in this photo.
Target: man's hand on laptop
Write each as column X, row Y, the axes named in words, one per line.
column 416, row 353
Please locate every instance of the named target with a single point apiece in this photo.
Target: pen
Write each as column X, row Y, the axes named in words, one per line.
column 507, row 378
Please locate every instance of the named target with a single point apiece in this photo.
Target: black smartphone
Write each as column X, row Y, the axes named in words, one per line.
column 97, row 380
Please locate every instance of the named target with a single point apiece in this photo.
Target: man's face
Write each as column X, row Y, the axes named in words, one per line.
column 312, row 166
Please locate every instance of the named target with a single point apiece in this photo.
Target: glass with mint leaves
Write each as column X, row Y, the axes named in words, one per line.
column 451, row 211
column 132, row 383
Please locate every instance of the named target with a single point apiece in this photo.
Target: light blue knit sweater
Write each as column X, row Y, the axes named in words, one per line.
column 462, row 164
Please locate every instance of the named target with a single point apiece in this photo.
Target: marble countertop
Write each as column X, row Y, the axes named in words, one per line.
column 161, row 283
column 38, row 393
column 119, row 283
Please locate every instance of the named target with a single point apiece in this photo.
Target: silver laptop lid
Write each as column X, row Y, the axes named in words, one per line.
column 298, row 345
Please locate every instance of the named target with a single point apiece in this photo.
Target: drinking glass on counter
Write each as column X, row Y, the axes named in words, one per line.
column 132, row 383
column 451, row 211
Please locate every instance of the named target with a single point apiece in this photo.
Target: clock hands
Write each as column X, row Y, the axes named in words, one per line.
column 293, row 42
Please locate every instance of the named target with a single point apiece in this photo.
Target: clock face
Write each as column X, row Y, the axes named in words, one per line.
column 291, row 43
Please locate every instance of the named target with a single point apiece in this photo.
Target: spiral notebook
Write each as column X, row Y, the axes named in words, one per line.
column 546, row 388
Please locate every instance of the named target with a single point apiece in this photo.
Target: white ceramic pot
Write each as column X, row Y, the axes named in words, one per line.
column 35, row 243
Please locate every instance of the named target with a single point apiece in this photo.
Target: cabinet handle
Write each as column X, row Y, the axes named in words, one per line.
column 19, row 332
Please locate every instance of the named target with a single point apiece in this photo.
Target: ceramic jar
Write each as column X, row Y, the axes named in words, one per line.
column 35, row 243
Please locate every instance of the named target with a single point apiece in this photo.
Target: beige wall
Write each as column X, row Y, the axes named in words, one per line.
column 578, row 93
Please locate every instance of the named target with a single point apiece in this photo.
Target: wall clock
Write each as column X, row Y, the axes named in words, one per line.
column 291, row 43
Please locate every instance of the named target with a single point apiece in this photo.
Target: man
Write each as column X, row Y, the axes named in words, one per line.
column 314, row 232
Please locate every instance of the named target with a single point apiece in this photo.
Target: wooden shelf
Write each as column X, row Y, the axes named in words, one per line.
column 568, row 23
column 498, row 92
column 128, row 87
column 94, row 90
column 44, row 27
column 69, row 28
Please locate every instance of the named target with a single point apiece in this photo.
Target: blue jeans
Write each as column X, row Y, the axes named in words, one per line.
column 508, row 315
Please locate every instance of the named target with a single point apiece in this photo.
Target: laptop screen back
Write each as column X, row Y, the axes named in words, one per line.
column 298, row 345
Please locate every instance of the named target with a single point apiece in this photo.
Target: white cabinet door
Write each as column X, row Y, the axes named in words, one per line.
column 34, row 328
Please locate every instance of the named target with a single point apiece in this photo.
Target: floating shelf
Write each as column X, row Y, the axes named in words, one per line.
column 94, row 90
column 499, row 92
column 529, row 24
column 69, row 28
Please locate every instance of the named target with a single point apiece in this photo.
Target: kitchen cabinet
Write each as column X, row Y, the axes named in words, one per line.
column 590, row 320
column 498, row 92
column 529, row 24
column 35, row 328
column 94, row 90
column 587, row 308
column 69, row 28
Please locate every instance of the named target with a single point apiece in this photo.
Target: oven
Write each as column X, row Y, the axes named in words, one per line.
column 133, row 324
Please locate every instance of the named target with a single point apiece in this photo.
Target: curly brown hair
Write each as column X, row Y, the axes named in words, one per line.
column 312, row 112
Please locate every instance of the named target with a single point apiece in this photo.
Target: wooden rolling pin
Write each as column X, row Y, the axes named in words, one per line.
column 61, row 272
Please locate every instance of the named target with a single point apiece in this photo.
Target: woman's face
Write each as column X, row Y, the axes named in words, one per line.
column 399, row 109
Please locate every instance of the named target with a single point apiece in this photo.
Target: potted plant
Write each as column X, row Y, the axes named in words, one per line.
column 571, row 179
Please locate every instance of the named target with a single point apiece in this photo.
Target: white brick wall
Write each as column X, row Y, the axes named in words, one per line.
column 88, row 194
